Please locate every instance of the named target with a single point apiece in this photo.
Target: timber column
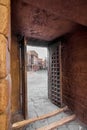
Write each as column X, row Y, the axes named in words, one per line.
column 5, row 78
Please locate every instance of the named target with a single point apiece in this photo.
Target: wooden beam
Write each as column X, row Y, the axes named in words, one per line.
column 58, row 123
column 26, row 122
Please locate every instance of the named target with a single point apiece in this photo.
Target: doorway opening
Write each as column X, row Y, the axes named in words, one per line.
column 42, row 74
column 38, row 104
column 37, row 78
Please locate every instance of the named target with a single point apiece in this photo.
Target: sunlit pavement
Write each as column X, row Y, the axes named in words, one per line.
column 39, row 104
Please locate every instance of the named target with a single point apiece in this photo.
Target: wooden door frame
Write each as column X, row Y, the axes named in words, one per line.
column 23, row 77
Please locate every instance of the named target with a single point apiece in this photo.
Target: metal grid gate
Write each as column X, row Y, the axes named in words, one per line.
column 55, row 84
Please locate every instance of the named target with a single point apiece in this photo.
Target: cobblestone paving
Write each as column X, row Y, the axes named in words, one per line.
column 39, row 104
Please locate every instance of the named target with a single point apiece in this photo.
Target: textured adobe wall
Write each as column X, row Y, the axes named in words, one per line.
column 5, row 78
column 74, row 61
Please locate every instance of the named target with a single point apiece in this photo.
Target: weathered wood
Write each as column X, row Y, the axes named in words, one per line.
column 58, row 123
column 23, row 77
column 55, row 74
column 26, row 122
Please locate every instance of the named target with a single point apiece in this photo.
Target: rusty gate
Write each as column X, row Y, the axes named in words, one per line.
column 54, row 74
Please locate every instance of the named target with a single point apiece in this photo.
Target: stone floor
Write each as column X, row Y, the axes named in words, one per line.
column 39, row 104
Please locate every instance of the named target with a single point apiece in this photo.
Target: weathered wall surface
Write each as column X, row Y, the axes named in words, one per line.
column 16, row 108
column 74, row 61
column 5, row 78
column 15, row 75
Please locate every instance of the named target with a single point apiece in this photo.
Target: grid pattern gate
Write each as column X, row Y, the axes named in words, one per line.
column 55, row 76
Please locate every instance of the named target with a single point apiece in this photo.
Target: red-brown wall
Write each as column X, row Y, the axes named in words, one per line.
column 74, row 64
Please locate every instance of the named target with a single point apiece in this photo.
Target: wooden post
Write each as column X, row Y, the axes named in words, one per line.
column 23, row 77
column 26, row 122
column 58, row 123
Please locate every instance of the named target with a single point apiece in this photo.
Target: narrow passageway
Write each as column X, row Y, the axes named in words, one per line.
column 39, row 104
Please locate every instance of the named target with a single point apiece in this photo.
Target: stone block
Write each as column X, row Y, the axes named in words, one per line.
column 4, row 20
column 4, row 57
column 9, row 28
column 4, row 95
column 5, row 2
column 3, row 120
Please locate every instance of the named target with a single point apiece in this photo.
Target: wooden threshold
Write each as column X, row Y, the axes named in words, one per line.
column 26, row 122
column 58, row 123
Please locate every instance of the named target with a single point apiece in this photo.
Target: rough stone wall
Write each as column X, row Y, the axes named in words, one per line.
column 5, row 77
column 74, row 62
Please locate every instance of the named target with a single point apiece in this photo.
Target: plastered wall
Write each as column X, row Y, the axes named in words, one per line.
column 74, row 65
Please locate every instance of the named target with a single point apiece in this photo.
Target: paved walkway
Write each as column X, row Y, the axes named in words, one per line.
column 39, row 104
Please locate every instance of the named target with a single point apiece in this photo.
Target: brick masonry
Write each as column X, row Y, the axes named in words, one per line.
column 74, row 64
